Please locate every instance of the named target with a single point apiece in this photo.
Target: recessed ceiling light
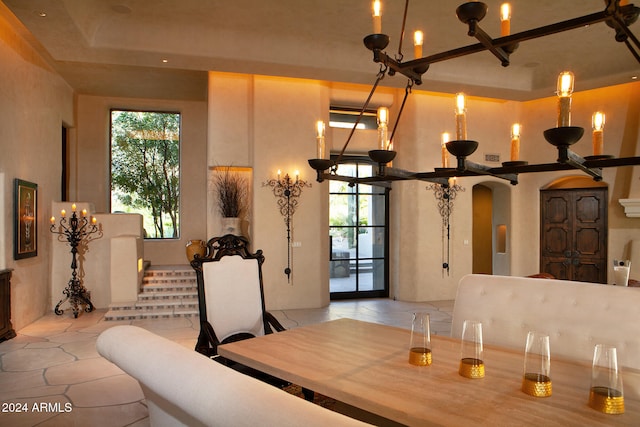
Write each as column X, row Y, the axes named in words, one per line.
column 42, row 14
column 164, row 61
column 634, row 77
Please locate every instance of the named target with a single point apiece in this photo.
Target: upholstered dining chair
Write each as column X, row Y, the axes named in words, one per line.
column 230, row 294
column 231, row 300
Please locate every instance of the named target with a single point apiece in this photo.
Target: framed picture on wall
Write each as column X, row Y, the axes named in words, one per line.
column 25, row 220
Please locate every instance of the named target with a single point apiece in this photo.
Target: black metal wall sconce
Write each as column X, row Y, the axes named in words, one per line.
column 287, row 192
column 445, row 195
column 77, row 231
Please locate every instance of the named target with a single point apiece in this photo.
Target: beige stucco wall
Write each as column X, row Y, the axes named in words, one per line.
column 92, row 166
column 34, row 104
column 267, row 124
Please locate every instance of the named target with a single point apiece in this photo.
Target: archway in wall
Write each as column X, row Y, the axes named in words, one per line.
column 574, row 229
column 491, row 225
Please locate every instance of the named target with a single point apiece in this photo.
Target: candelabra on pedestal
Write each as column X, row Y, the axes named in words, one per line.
column 287, row 191
column 75, row 231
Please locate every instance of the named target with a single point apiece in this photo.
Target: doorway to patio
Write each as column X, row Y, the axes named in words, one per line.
column 358, row 235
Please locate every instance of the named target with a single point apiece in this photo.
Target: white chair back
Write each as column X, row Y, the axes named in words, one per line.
column 233, row 296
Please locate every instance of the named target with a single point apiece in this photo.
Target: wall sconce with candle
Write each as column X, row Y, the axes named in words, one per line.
column 78, row 232
column 287, row 192
column 445, row 195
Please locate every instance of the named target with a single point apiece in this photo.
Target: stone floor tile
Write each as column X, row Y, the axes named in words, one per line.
column 45, row 327
column 30, row 359
column 114, row 390
column 24, row 391
column 82, row 349
column 12, row 382
column 81, row 371
column 42, row 344
column 72, row 336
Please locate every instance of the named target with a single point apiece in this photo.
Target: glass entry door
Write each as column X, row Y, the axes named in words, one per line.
column 358, row 217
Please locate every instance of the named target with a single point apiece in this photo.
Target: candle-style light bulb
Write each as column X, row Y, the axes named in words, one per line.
column 516, row 128
column 73, row 207
column 84, row 212
column 597, row 122
column 94, row 220
column 418, row 41
column 377, row 17
column 297, row 173
column 63, row 213
column 383, row 121
column 505, row 19
column 444, row 152
column 52, row 220
column 565, row 83
column 564, row 92
column 461, row 117
column 320, row 129
column 383, row 116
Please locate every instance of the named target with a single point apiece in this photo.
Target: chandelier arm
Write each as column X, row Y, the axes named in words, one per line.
column 632, row 50
column 380, row 76
column 487, row 42
column 407, row 91
column 406, row 68
column 404, row 23
column 627, row 31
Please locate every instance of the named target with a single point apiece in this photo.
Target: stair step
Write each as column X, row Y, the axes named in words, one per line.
column 167, row 291
column 165, row 294
column 170, row 270
column 131, row 314
column 173, row 302
column 159, row 288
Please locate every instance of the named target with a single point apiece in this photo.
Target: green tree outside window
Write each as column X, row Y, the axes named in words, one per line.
column 145, row 169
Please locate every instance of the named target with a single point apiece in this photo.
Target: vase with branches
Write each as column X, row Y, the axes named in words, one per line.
column 232, row 198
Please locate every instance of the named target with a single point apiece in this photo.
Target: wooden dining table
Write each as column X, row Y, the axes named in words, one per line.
column 365, row 365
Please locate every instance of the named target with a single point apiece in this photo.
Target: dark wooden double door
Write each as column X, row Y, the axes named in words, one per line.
column 573, row 234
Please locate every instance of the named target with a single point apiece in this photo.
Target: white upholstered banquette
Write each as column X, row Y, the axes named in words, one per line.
column 185, row 388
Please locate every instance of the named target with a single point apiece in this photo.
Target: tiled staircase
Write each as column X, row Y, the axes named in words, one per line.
column 167, row 291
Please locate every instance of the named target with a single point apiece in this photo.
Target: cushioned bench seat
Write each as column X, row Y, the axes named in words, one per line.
column 185, row 388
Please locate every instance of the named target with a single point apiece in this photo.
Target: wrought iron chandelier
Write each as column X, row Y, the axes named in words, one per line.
column 617, row 16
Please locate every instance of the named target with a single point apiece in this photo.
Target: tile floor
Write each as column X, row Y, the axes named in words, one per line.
column 51, row 374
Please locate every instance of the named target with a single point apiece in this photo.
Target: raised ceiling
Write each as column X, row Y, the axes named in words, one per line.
column 117, row 47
